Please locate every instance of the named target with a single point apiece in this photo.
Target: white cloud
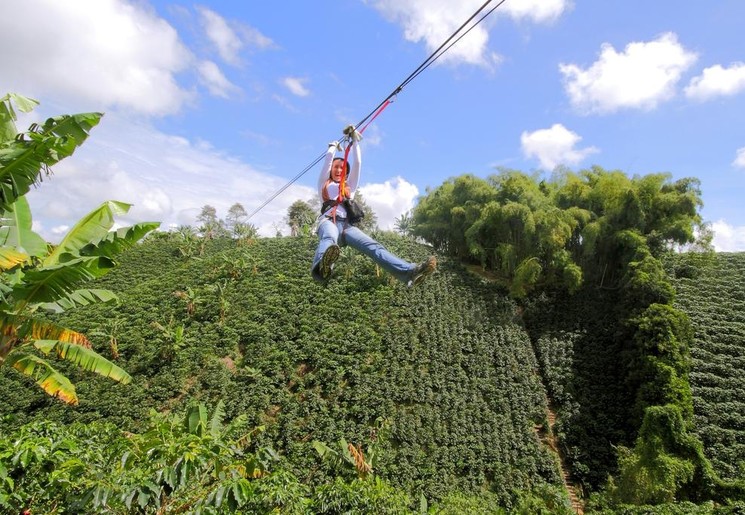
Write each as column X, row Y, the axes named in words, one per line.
column 60, row 230
column 433, row 22
column 739, row 161
column 717, row 81
column 254, row 38
column 230, row 38
column 728, row 238
column 640, row 77
column 390, row 199
column 296, row 85
column 538, row 11
column 217, row 84
column 554, row 146
column 218, row 31
column 99, row 53
column 166, row 179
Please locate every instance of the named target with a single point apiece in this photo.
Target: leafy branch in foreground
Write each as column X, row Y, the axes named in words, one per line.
column 36, row 276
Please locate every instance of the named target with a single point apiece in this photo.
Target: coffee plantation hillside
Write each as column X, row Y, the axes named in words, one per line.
column 439, row 383
column 583, row 348
column 439, row 386
column 711, row 290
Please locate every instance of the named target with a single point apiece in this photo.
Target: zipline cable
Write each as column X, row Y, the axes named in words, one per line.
column 283, row 188
column 444, row 47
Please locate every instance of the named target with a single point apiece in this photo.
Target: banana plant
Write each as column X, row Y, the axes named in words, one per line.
column 37, row 277
column 25, row 158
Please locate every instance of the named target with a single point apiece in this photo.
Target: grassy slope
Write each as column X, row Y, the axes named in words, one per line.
column 713, row 296
column 446, row 364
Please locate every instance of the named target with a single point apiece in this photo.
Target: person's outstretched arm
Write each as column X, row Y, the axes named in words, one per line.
column 354, row 174
column 356, row 165
column 326, row 168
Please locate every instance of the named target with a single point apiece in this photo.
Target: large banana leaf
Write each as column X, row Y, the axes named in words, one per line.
column 76, row 126
column 92, row 228
column 82, row 297
column 10, row 258
column 15, row 230
column 22, row 160
column 21, row 327
column 85, row 358
column 118, row 241
column 51, row 381
column 20, row 166
column 50, row 284
column 196, row 420
column 43, row 330
column 8, row 129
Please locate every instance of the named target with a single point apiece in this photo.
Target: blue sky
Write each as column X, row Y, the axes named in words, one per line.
column 224, row 102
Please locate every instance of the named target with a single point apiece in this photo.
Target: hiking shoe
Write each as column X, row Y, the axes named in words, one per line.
column 422, row 271
column 327, row 261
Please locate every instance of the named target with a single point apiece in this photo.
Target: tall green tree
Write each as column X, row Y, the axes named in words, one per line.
column 300, row 217
column 404, row 224
column 647, row 213
column 211, row 226
column 36, row 276
column 562, row 231
column 507, row 223
column 236, row 218
column 370, row 222
column 444, row 214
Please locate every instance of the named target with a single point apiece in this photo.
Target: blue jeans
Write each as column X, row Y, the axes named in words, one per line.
column 341, row 233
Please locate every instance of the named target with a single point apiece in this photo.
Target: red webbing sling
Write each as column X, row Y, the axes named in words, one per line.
column 343, row 182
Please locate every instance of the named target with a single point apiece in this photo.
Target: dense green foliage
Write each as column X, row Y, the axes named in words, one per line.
column 445, row 367
column 586, row 226
column 189, row 464
column 711, row 290
column 615, row 356
column 663, row 455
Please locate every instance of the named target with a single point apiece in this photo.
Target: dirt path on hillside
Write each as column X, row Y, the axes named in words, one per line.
column 548, row 437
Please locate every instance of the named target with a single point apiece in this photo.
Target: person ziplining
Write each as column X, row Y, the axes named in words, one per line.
column 337, row 183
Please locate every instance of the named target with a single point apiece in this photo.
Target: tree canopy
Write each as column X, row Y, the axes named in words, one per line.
column 300, row 217
column 571, row 228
